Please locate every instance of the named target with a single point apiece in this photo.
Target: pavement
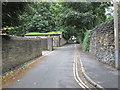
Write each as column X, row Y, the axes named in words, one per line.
column 102, row 74
column 55, row 70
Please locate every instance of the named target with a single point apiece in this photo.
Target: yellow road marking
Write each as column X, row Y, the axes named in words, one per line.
column 82, row 68
column 75, row 72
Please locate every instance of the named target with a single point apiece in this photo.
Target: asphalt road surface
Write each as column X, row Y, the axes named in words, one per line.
column 54, row 71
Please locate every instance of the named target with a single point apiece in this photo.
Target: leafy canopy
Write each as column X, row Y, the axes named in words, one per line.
column 74, row 18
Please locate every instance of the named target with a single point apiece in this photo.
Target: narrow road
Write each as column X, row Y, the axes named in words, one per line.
column 54, row 71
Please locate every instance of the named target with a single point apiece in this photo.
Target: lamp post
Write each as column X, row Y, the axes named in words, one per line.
column 117, row 61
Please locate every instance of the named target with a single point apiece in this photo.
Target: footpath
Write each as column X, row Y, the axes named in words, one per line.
column 99, row 73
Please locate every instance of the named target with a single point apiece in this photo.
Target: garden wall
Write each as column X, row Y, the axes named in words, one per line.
column 102, row 42
column 62, row 41
column 44, row 45
column 56, row 41
column 47, row 44
column 18, row 50
column 50, row 44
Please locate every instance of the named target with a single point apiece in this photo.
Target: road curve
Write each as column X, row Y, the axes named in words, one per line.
column 54, row 71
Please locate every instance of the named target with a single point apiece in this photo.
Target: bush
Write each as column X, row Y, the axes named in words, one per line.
column 86, row 41
column 78, row 40
column 119, row 11
column 17, row 30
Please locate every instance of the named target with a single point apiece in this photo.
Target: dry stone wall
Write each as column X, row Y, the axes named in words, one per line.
column 62, row 41
column 56, row 41
column 44, row 44
column 102, row 42
column 47, row 44
column 18, row 50
column 50, row 44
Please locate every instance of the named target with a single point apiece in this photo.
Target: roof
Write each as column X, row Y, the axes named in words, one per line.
column 43, row 34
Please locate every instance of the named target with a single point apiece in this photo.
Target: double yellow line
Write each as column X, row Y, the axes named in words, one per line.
column 75, row 71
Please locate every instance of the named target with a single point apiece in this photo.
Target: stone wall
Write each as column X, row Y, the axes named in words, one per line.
column 56, row 41
column 44, row 45
column 62, row 41
column 47, row 44
column 18, row 50
column 50, row 44
column 102, row 42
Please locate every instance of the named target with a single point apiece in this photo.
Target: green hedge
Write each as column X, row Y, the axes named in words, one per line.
column 119, row 11
column 86, row 41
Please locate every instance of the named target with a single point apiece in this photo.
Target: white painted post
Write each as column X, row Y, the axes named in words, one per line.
column 117, row 62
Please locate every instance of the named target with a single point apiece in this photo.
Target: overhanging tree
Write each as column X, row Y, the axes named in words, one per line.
column 74, row 18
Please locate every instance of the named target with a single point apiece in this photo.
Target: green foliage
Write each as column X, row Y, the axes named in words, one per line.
column 119, row 11
column 86, row 41
column 68, row 32
column 70, row 17
column 11, row 12
column 83, row 15
column 38, row 17
column 78, row 40
column 18, row 31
